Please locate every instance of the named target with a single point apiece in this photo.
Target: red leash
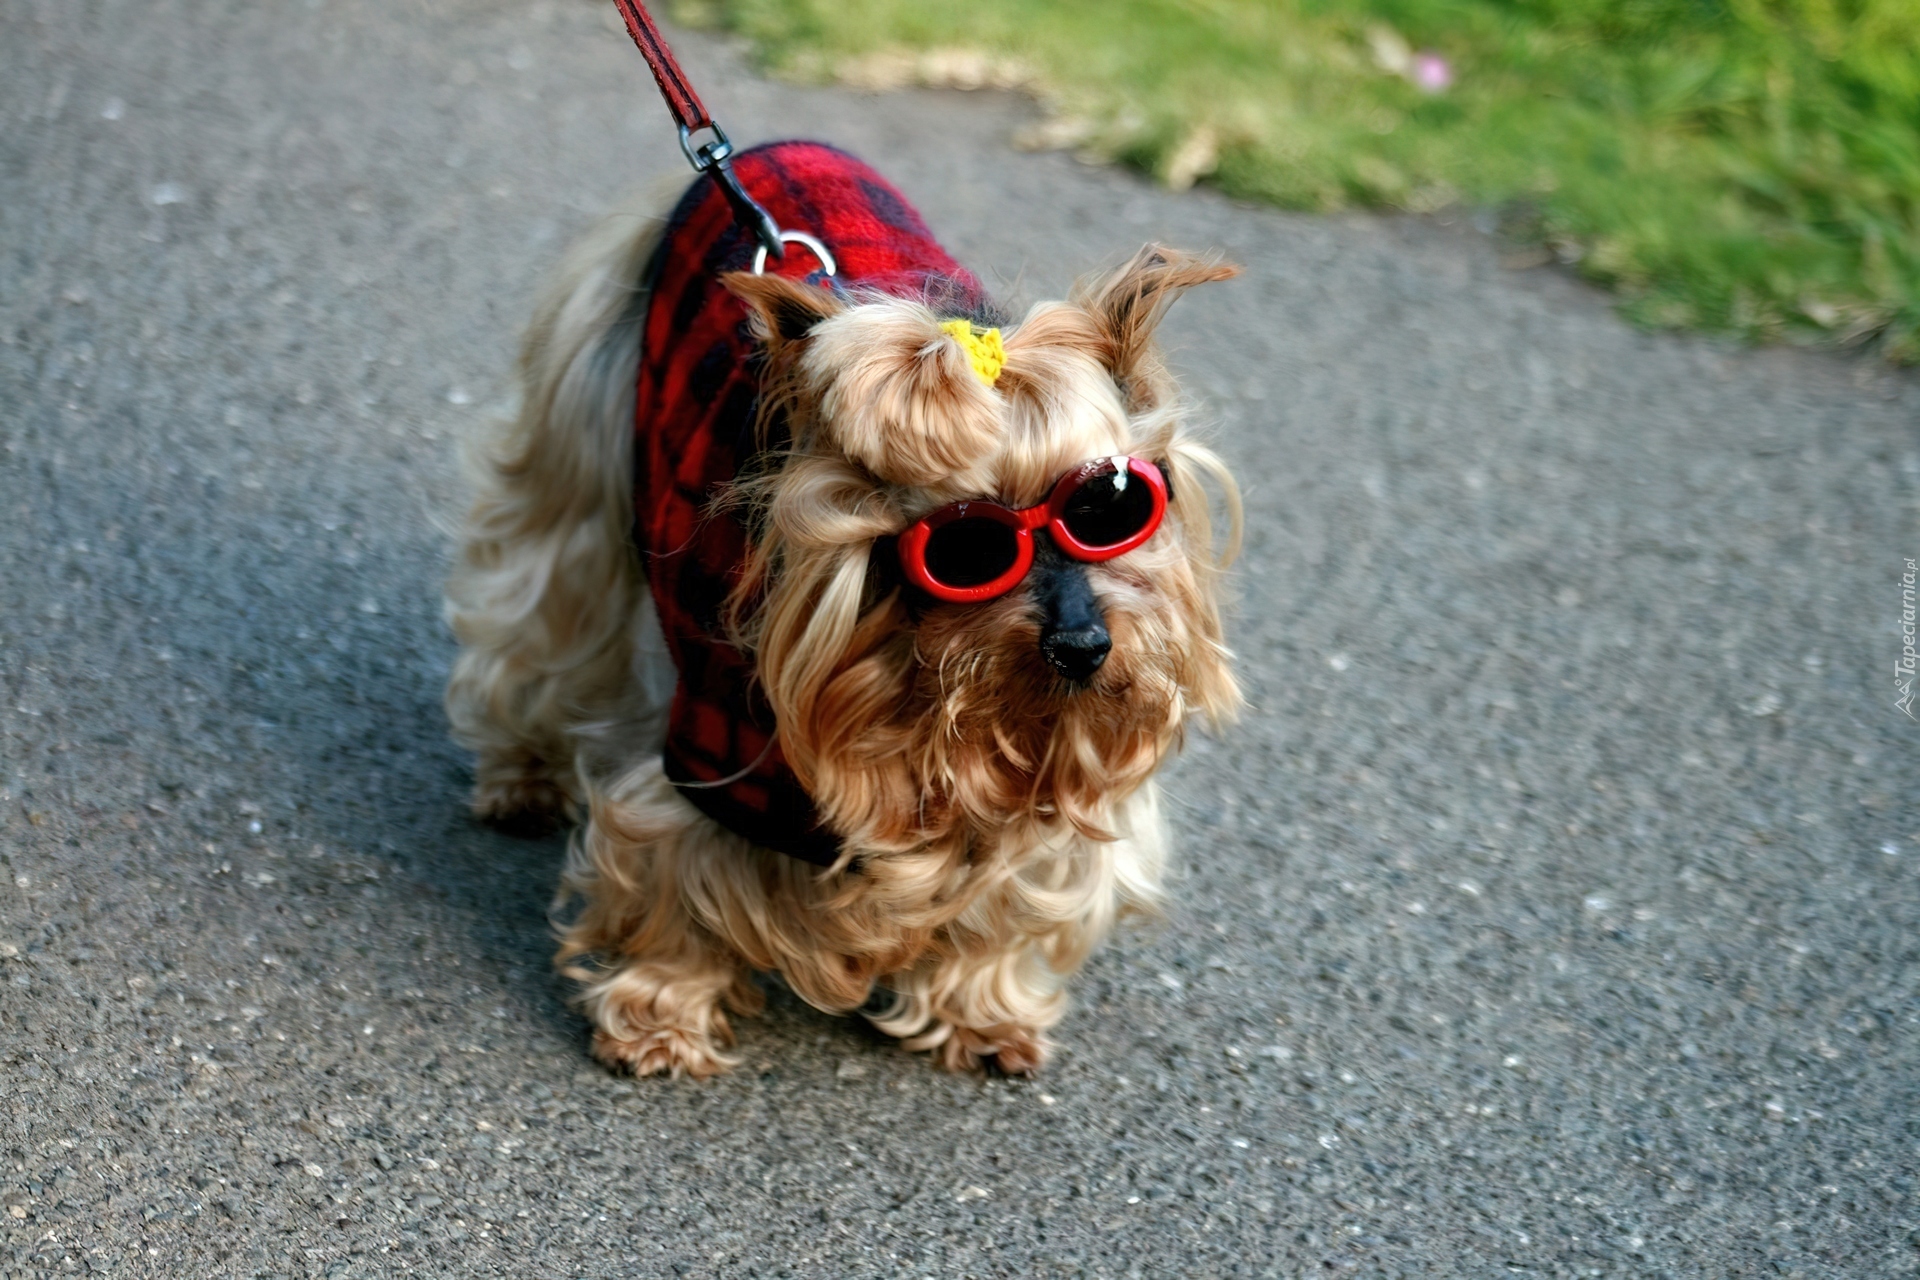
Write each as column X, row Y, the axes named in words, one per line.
column 688, row 111
column 690, row 114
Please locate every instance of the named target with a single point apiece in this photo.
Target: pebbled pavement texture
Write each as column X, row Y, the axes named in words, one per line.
column 1553, row 912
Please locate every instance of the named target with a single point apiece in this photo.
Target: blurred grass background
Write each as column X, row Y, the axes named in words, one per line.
column 1744, row 166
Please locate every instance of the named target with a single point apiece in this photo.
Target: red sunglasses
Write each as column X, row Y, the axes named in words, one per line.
column 971, row 551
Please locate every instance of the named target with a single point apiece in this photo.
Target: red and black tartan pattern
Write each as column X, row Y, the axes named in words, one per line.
column 694, row 415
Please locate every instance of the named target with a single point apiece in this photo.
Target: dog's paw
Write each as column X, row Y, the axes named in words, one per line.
column 668, row 1051
column 522, row 804
column 1013, row 1051
column 1022, row 1053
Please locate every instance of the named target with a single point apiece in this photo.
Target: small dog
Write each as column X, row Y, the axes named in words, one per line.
column 853, row 620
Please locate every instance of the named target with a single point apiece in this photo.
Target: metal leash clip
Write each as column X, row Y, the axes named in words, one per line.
column 713, row 156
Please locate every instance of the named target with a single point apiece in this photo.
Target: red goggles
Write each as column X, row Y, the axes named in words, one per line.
column 971, row 551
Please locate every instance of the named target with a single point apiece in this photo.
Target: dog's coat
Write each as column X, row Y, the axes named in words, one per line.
column 695, row 413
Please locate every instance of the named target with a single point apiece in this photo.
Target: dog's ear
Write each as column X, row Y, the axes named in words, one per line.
column 783, row 310
column 1129, row 304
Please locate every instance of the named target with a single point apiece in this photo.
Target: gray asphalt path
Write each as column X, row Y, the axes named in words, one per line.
column 1552, row 913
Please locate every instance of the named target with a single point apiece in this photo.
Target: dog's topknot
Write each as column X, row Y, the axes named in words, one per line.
column 880, row 381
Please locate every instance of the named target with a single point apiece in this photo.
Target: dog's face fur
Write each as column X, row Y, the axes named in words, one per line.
column 916, row 723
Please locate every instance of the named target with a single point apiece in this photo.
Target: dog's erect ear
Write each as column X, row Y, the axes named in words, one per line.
column 783, row 310
column 1128, row 306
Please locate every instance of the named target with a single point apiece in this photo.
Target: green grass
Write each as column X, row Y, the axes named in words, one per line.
column 1748, row 166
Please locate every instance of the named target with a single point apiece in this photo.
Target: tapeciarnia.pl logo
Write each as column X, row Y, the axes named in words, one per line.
column 1904, row 668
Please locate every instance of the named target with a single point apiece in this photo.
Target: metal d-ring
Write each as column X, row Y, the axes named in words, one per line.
column 827, row 265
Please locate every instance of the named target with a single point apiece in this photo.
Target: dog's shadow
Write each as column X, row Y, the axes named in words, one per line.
column 326, row 679
column 379, row 783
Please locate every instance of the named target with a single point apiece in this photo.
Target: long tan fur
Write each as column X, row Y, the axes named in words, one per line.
column 997, row 821
column 559, row 647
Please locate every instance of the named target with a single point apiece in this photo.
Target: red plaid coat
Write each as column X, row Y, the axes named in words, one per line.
column 694, row 422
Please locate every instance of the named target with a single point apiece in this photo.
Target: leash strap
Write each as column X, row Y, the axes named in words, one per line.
column 690, row 114
column 685, row 105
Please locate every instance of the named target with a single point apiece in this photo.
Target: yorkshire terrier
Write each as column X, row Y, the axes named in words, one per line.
column 850, row 618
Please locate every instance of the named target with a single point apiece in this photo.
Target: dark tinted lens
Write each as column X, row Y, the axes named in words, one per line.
column 971, row 551
column 1108, row 509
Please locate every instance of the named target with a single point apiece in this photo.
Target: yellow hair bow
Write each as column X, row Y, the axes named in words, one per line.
column 985, row 352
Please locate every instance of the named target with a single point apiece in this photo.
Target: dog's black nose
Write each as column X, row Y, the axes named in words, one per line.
column 1073, row 632
column 1077, row 654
